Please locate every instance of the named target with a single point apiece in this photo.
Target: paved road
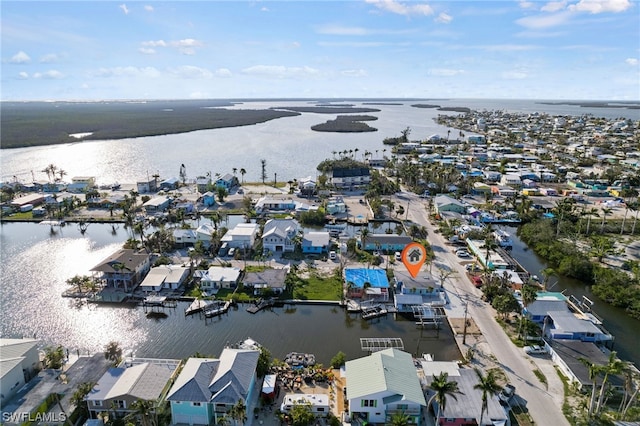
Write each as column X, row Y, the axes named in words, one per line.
column 544, row 405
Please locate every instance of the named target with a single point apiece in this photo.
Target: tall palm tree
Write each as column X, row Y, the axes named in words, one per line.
column 243, row 172
column 399, row 419
column 594, row 372
column 591, row 213
column 239, row 411
column 443, row 388
column 605, row 213
column 488, row 386
column 614, row 366
column 144, row 411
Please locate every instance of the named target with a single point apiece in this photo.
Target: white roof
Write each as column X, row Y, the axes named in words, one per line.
column 220, row 274
column 434, row 368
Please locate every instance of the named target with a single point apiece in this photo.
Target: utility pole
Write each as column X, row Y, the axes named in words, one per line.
column 464, row 330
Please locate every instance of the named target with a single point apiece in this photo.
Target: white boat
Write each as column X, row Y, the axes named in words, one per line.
column 503, row 238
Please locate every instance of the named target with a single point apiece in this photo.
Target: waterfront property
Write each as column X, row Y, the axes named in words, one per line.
column 123, row 270
column 411, row 292
column 270, row 203
column 164, row 277
column 315, row 242
column 217, row 277
column 157, row 204
column 383, row 384
column 317, row 402
column 138, row 379
column 367, row 283
column 19, row 362
column 386, row 242
column 445, row 203
column 242, row 236
column 466, row 408
column 350, row 178
column 206, row 388
column 272, row 279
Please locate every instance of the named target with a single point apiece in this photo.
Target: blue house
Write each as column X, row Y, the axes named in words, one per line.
column 227, row 181
column 315, row 242
column 209, row 199
column 207, row 388
column 386, row 242
column 369, row 283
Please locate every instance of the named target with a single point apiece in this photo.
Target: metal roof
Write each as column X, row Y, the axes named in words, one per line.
column 193, row 382
column 391, row 371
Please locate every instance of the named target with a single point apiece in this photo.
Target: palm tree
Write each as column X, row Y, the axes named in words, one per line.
column 363, row 237
column 488, row 385
column 443, row 388
column 614, row 366
column 594, row 372
column 399, row 419
column 605, row 212
column 591, row 213
column 78, row 396
column 144, row 411
column 239, row 411
column 113, row 352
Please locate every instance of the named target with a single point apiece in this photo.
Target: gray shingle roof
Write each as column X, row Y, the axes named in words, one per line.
column 193, row 382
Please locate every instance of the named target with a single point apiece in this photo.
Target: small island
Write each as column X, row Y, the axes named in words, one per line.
column 346, row 124
column 328, row 109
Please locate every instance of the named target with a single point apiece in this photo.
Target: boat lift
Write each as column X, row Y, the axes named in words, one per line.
column 426, row 314
column 375, row 344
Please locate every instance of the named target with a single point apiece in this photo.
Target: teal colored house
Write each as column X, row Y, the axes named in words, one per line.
column 208, row 388
column 387, row 243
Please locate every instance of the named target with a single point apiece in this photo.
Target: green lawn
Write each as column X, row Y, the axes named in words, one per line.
column 318, row 288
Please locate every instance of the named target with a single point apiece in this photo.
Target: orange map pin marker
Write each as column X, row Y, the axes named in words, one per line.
column 413, row 257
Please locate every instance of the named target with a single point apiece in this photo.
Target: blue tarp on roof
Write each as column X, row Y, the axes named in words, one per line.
column 376, row 277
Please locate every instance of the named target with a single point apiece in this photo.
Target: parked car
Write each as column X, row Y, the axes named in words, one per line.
column 232, row 252
column 397, row 255
column 463, row 253
column 476, row 280
column 507, row 394
column 535, row 350
column 333, row 255
column 472, row 267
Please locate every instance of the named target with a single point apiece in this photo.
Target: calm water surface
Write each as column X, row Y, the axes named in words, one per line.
column 36, row 264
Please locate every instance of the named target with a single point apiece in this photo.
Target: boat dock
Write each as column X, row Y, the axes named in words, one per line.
column 217, row 308
column 372, row 312
column 260, row 305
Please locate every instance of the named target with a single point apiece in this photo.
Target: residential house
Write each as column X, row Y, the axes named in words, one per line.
column 315, row 242
column 383, row 384
column 268, row 279
column 208, row 388
column 184, row 237
column 170, row 184
column 467, row 407
column 81, row 183
column 148, row 185
column 410, row 291
column 217, row 277
column 445, row 203
column 336, row 206
column 124, row 269
column 270, row 203
column 204, row 233
column 33, row 199
column 157, row 204
column 386, row 243
column 139, row 379
column 227, row 181
column 164, row 277
column 350, row 178
column 208, row 199
column 203, row 183
column 307, row 186
column 278, row 235
column 370, row 283
column 19, row 363
column 243, row 235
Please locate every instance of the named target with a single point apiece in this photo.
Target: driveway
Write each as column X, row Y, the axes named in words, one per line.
column 543, row 403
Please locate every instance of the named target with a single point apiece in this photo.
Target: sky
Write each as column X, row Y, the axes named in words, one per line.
column 515, row 49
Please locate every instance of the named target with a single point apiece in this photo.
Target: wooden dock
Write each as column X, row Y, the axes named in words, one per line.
column 216, row 310
column 260, row 305
column 372, row 312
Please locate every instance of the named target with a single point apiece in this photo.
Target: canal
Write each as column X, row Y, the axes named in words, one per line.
column 616, row 321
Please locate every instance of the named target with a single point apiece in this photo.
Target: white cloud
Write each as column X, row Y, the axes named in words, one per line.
column 340, row 30
column 280, row 71
column 49, row 58
column 223, row 72
column 631, row 61
column 148, row 8
column 526, row 4
column 147, row 72
column 402, row 8
column 601, row 6
column 155, row 43
column 20, row 58
column 544, row 21
column 191, row 72
column 147, row 51
column 444, row 72
column 514, row 75
column 187, row 42
column 124, row 8
column 508, row 47
column 49, row 75
column 554, row 6
column 264, row 9
column 354, row 73
column 443, row 18
column 23, row 75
